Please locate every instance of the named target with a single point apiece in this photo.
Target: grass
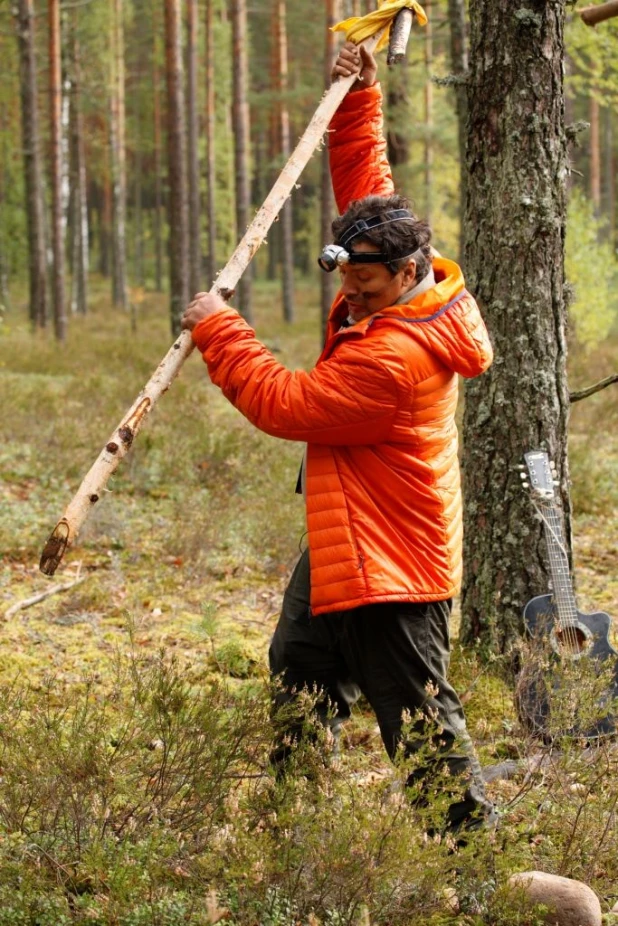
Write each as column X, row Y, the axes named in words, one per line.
column 123, row 697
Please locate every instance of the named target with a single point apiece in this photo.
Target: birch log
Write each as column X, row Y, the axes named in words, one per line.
column 95, row 481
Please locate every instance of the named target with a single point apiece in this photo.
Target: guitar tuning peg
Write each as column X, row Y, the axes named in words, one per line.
column 522, row 475
column 520, row 466
column 556, row 482
column 526, row 485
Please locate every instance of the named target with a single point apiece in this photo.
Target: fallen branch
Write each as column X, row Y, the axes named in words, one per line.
column 120, row 441
column 602, row 384
column 54, row 590
column 592, row 15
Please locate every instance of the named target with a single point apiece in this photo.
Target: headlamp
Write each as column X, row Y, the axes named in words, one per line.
column 334, row 255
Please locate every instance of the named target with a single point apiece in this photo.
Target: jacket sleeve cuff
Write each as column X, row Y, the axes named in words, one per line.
column 204, row 330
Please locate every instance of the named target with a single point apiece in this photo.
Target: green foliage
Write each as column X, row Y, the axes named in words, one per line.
column 592, row 270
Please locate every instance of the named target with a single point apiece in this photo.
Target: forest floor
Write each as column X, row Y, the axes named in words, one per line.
column 192, row 547
column 190, row 551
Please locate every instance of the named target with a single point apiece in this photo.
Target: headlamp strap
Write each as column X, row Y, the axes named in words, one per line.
column 363, row 225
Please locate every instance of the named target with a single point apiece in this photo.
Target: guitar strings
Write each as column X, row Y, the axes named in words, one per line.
column 554, row 533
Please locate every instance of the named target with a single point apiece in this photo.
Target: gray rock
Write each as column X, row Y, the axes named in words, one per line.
column 570, row 903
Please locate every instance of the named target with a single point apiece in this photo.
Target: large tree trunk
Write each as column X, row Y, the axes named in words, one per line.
column 514, row 260
column 195, row 250
column 459, row 68
column 287, row 231
column 55, row 120
column 240, row 116
column 211, row 177
column 33, row 173
column 118, row 160
column 327, row 200
column 177, row 167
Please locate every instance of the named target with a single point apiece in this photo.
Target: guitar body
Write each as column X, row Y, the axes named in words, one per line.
column 568, row 683
column 585, row 636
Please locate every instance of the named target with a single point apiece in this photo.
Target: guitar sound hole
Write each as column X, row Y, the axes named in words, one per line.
column 572, row 640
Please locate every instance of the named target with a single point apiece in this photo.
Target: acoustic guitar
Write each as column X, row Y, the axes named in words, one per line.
column 554, row 621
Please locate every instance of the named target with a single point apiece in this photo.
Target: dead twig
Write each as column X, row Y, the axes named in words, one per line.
column 54, row 590
column 592, row 15
column 602, row 384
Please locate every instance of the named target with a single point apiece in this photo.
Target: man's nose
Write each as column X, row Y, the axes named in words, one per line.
column 349, row 287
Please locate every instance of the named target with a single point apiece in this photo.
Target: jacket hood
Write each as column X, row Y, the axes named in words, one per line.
column 445, row 319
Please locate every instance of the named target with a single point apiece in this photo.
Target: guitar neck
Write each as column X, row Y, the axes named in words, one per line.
column 564, row 596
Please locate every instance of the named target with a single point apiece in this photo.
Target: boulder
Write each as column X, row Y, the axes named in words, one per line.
column 570, row 903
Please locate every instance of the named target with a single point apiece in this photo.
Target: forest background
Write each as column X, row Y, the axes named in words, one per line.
column 119, row 691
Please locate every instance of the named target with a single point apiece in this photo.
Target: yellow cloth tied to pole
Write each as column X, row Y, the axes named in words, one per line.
column 359, row 28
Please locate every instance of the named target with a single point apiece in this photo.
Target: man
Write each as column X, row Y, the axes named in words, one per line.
column 368, row 604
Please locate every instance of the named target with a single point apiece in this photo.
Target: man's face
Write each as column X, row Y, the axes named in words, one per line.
column 370, row 287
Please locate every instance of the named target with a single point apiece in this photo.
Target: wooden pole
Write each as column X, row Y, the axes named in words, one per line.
column 94, row 483
column 592, row 15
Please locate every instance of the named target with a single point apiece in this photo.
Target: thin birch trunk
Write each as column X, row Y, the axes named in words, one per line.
column 105, row 234
column 595, row 153
column 177, row 166
column 240, row 117
column 428, row 116
column 79, row 283
column 5, row 297
column 122, row 438
column 158, row 231
column 327, row 199
column 610, row 176
column 33, row 171
column 211, row 178
column 55, row 121
column 195, row 250
column 118, row 160
column 287, row 231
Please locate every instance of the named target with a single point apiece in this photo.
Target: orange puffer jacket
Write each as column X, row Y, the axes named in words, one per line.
column 377, row 412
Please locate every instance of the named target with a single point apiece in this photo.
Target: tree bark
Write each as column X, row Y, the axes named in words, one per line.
column 211, row 177
column 240, row 117
column 595, row 153
column 55, row 121
column 287, row 231
column 610, row 176
column 79, row 288
column 327, row 199
column 195, row 250
column 118, row 160
column 177, row 167
column 514, row 260
column 33, row 172
column 158, row 232
column 428, row 146
column 459, row 68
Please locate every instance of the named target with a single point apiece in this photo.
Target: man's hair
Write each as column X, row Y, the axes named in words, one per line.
column 395, row 239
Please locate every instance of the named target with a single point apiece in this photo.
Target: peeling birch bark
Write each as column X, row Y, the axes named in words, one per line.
column 116, row 448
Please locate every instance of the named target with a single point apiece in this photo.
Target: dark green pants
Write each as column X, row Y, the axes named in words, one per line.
column 397, row 655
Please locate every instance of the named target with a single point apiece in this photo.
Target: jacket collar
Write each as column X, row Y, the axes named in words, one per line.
column 449, row 283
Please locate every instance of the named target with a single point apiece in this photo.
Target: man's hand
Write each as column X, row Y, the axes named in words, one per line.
column 202, row 305
column 355, row 59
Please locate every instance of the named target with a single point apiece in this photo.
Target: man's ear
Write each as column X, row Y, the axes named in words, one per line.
column 409, row 273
